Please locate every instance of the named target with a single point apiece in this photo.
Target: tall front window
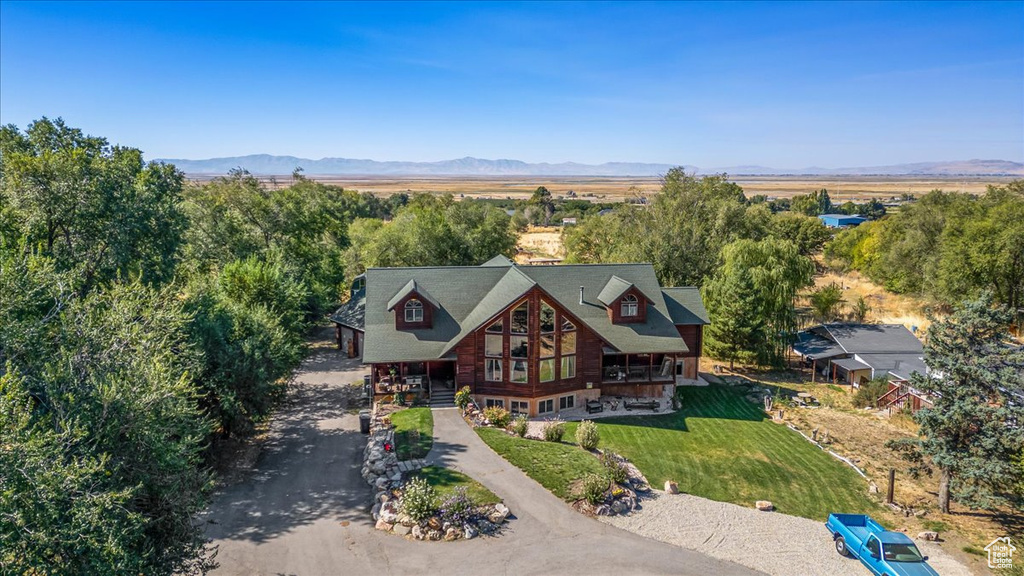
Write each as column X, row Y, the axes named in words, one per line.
column 547, row 370
column 414, row 311
column 630, row 306
column 568, row 367
column 520, row 321
column 492, row 345
column 519, row 371
column 493, row 370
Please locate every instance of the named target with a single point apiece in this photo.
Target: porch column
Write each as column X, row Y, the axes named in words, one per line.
column 650, row 368
column 834, row 373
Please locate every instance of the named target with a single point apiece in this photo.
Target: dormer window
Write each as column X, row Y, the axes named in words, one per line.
column 630, row 306
column 413, row 311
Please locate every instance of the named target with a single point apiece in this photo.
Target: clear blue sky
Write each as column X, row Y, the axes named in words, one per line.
column 786, row 85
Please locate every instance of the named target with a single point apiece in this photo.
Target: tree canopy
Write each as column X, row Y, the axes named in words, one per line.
column 971, row 434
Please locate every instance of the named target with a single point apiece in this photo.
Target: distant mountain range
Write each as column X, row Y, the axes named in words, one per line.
column 266, row 164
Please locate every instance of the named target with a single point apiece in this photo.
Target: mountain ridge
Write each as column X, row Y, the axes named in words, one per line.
column 269, row 164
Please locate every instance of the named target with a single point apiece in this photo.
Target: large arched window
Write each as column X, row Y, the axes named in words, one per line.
column 630, row 306
column 413, row 311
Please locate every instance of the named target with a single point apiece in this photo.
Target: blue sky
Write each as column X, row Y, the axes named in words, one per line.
column 787, row 85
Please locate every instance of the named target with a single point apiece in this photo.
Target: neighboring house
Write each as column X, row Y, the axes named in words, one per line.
column 532, row 339
column 568, row 221
column 841, row 220
column 856, row 353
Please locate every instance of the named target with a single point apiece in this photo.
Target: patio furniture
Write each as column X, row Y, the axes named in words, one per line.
column 594, row 406
column 643, row 405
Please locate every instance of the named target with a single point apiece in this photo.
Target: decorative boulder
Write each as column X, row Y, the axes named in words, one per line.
column 388, row 514
column 929, row 535
column 469, row 532
column 418, row 532
column 671, row 487
column 385, row 526
column 434, row 523
column 434, row 535
column 451, row 534
column 402, row 530
column 764, row 506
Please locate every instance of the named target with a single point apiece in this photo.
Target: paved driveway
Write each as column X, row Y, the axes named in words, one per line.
column 304, row 510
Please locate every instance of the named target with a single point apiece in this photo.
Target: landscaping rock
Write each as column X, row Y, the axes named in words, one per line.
column 375, row 511
column 872, row 488
column 469, row 532
column 618, row 507
column 929, row 535
column 388, row 513
column 671, row 487
column 764, row 506
column 500, row 513
column 418, row 532
column 435, row 523
column 451, row 534
column 486, row 527
column 385, row 526
column 406, row 520
column 434, row 535
column 402, row 530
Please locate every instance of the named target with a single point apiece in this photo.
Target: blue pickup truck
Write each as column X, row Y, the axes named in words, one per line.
column 884, row 553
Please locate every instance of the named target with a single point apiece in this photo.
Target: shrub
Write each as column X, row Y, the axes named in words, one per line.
column 593, row 487
column 554, row 430
column 587, row 435
column 497, row 416
column 419, row 500
column 869, row 392
column 520, row 426
column 616, row 469
column 462, row 398
column 457, row 507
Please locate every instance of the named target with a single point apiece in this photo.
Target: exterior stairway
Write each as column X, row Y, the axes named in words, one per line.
column 441, row 397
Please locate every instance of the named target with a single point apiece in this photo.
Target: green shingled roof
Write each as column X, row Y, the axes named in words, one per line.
column 613, row 289
column 469, row 296
column 410, row 288
column 351, row 313
column 685, row 305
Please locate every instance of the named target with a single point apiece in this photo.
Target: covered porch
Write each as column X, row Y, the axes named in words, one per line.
column 636, row 374
column 415, row 378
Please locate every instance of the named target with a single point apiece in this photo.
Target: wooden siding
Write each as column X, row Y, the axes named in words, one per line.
column 693, row 336
column 428, row 314
column 472, row 360
column 615, row 310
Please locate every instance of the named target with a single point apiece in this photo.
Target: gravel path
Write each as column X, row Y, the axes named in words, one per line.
column 767, row 541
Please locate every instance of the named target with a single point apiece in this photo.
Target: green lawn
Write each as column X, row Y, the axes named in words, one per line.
column 407, row 423
column 553, row 465
column 720, row 446
column 445, row 482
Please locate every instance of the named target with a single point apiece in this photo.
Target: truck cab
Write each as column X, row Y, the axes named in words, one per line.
column 884, row 553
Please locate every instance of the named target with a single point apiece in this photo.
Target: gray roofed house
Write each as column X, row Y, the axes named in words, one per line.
column 854, row 353
column 519, row 333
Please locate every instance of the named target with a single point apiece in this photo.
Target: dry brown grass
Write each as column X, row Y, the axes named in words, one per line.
column 885, row 307
column 607, row 189
column 540, row 242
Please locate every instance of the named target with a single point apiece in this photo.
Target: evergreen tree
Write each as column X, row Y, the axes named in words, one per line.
column 972, row 434
column 736, row 327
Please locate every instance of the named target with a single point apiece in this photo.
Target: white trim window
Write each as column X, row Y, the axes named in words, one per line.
column 413, row 311
column 566, row 402
column 519, row 372
column 568, row 367
column 630, row 305
column 521, row 407
column 493, row 371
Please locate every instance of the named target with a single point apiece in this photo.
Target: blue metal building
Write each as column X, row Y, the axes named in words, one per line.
column 841, row 220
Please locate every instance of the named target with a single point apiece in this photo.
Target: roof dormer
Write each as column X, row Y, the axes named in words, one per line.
column 414, row 307
column 624, row 301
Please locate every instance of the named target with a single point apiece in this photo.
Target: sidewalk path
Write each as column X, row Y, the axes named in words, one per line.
column 546, row 536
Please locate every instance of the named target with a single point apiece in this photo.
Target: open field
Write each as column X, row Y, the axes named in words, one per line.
column 609, row 189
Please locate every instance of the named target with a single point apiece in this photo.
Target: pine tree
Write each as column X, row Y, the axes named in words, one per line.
column 737, row 325
column 972, row 434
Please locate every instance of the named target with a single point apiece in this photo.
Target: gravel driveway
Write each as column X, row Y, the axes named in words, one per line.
column 766, row 541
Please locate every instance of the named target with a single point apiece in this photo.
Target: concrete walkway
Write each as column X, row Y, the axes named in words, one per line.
column 545, row 527
column 305, row 510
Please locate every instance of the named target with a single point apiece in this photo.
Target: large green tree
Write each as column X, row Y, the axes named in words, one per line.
column 972, row 433
column 681, row 232
column 765, row 277
column 95, row 208
column 101, row 434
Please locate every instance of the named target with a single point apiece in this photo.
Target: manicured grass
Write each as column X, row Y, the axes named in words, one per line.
column 445, row 482
column 407, row 423
column 554, row 465
column 721, row 447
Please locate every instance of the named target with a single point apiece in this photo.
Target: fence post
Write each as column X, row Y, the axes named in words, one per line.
column 892, row 484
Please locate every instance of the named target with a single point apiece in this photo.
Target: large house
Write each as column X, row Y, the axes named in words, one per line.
column 532, row 339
